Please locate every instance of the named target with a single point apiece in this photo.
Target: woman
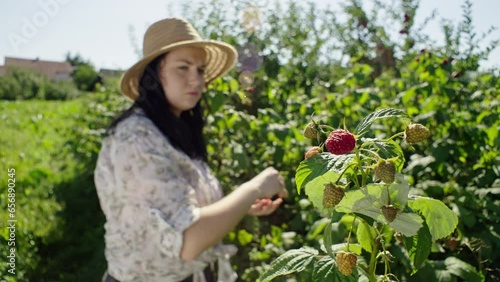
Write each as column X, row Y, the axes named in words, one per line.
column 165, row 212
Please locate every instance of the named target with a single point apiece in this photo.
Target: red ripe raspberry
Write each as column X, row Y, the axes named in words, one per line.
column 340, row 142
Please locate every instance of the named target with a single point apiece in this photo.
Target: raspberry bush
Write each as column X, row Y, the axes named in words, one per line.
column 357, row 178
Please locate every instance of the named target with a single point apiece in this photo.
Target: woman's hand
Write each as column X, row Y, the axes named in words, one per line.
column 269, row 183
column 264, row 206
column 219, row 218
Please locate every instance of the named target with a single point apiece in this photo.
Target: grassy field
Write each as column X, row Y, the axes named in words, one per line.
column 33, row 134
column 53, row 187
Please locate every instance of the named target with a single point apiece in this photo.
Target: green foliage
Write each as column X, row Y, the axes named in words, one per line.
column 43, row 166
column 448, row 270
column 368, row 199
column 290, row 262
column 20, row 84
column 56, row 204
column 419, row 247
column 85, row 77
column 365, row 124
column 341, row 66
column 318, row 165
column 426, row 84
column 440, row 220
column 76, row 60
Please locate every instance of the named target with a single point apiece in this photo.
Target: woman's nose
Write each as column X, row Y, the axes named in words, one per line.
column 195, row 78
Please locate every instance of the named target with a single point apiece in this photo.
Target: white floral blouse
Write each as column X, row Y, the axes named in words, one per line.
column 150, row 193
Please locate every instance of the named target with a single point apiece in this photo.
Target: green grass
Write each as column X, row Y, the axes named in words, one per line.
column 33, row 134
column 38, row 140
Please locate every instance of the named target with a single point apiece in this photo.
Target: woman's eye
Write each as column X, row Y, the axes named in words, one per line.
column 183, row 67
column 201, row 71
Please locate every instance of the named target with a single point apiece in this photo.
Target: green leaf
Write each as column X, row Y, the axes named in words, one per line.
column 318, row 165
column 365, row 124
column 292, row 261
column 314, row 189
column 276, row 234
column 327, row 240
column 463, row 270
column 355, row 248
column 440, row 219
column 233, row 85
column 419, row 247
column 390, row 149
column 397, row 191
column 407, row 223
column 369, row 200
column 317, row 228
column 366, row 236
column 244, row 238
column 217, row 101
column 326, row 270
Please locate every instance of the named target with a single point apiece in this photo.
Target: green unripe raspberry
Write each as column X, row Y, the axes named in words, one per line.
column 346, row 262
column 385, row 171
column 416, row 133
column 390, row 212
column 332, row 195
column 310, row 131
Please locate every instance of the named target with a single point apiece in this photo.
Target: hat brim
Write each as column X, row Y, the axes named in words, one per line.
column 220, row 58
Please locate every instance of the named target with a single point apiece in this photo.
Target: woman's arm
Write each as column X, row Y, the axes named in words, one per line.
column 218, row 219
column 142, row 159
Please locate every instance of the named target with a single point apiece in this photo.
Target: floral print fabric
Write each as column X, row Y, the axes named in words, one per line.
column 150, row 193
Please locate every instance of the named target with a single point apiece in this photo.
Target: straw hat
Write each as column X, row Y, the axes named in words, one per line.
column 168, row 34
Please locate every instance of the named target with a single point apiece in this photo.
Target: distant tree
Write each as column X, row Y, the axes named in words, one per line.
column 84, row 76
column 76, row 60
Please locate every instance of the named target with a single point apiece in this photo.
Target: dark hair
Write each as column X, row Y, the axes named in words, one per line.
column 184, row 133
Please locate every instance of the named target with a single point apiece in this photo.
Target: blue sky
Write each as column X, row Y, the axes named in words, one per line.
column 99, row 30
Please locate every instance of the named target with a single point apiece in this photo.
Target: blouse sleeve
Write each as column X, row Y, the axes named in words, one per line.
column 155, row 190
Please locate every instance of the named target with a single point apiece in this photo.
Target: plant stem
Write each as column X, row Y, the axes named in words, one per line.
column 373, row 260
column 342, row 173
column 395, row 135
column 372, row 152
column 327, row 127
column 382, row 243
column 388, row 196
column 350, row 231
column 355, row 179
column 360, row 165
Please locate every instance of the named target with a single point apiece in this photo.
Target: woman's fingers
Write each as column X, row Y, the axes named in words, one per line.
column 264, row 207
column 272, row 206
column 262, row 202
column 276, row 203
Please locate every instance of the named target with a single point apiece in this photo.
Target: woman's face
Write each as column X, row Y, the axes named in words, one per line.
column 181, row 75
